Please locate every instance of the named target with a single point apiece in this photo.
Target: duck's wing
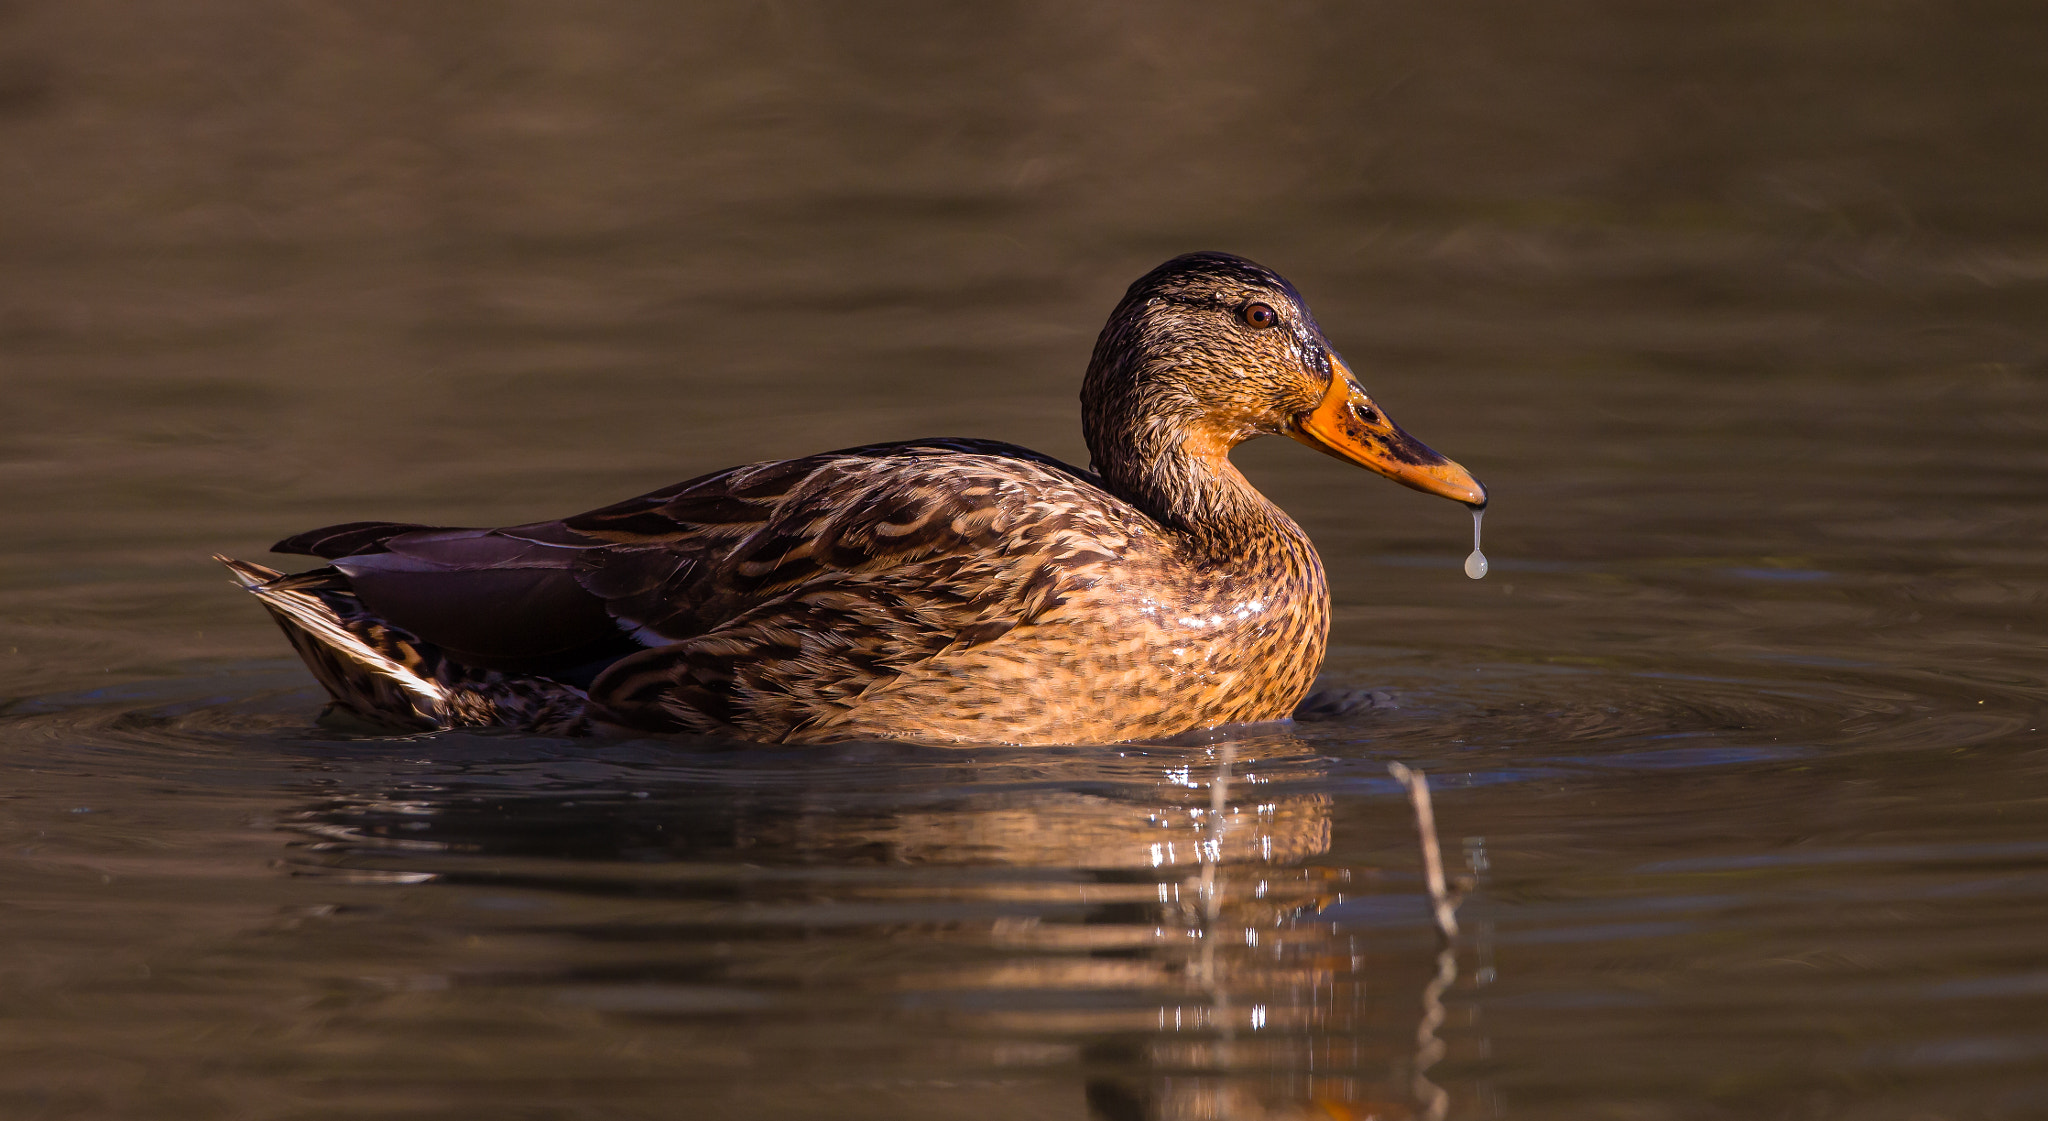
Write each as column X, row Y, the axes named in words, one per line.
column 821, row 573
column 777, row 594
column 683, row 561
column 509, row 599
column 346, row 539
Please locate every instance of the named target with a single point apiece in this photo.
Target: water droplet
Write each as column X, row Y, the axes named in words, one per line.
column 1475, row 565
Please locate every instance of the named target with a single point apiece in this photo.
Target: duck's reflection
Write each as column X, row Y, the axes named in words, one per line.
column 1163, row 929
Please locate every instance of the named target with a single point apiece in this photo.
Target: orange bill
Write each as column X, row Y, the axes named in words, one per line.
column 1349, row 426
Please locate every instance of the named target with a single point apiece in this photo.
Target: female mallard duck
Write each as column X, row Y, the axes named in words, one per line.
column 934, row 590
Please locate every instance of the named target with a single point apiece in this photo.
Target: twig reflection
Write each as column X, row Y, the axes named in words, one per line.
column 1433, row 1100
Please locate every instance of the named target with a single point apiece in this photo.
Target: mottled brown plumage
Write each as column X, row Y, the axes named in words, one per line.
column 935, row 590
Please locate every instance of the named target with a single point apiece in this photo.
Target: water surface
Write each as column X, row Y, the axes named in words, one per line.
column 1735, row 310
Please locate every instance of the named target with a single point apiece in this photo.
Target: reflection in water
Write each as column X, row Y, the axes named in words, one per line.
column 1429, row 1048
column 1157, row 926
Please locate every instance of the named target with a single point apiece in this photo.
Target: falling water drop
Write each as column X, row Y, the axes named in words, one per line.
column 1475, row 565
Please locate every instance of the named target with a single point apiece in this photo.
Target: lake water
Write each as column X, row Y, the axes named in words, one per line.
column 1737, row 309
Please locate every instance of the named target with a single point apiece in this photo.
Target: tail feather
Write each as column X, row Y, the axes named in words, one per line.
column 358, row 674
column 387, row 674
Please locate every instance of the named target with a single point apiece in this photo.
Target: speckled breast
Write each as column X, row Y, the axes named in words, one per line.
column 1155, row 647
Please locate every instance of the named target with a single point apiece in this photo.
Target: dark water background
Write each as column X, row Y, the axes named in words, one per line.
column 1737, row 307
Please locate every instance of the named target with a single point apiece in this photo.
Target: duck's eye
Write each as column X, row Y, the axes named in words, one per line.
column 1365, row 413
column 1259, row 315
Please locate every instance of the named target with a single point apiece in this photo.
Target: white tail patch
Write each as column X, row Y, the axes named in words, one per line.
column 317, row 621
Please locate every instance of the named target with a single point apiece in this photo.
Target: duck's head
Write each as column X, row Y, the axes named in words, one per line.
column 1210, row 350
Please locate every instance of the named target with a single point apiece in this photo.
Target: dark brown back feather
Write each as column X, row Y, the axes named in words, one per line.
column 824, row 574
column 346, row 540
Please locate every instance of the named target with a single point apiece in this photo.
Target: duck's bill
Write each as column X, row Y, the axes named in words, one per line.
column 1349, row 426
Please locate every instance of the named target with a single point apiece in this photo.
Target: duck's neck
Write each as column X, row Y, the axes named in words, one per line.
column 1186, row 482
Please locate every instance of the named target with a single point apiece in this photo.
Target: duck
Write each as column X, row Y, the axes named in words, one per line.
column 948, row 591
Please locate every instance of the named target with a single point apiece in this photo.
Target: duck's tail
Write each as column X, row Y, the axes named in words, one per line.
column 384, row 674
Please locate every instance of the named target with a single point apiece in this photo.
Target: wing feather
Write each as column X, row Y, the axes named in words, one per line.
column 769, row 592
column 855, row 567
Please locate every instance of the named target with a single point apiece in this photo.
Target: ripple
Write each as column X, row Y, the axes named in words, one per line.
column 1658, row 719
column 1517, row 718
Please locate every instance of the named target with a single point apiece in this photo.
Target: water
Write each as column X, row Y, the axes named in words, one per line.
column 1475, row 561
column 1736, row 311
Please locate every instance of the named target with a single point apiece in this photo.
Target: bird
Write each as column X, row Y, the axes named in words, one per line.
column 945, row 591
